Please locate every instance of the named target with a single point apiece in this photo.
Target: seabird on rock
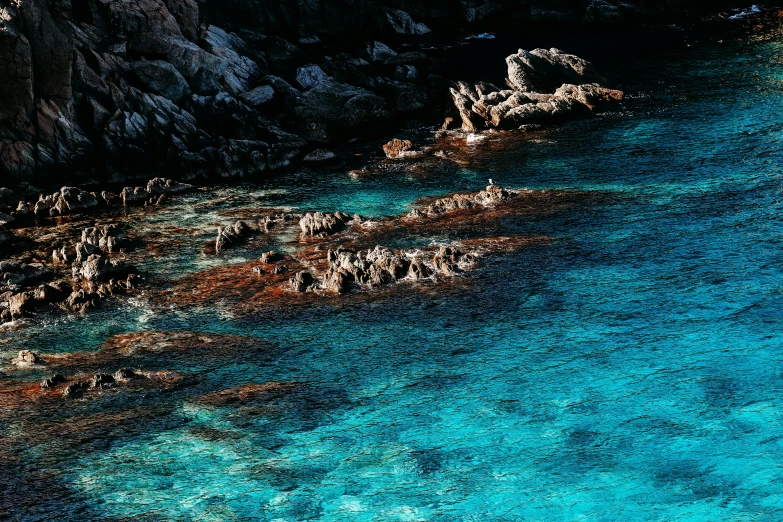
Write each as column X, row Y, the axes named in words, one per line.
column 491, row 182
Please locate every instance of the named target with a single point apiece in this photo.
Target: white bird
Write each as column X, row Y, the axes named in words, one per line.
column 491, row 182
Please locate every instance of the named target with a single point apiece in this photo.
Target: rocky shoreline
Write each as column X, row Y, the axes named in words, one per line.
column 130, row 90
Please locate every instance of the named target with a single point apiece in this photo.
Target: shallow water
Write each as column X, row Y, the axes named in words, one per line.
column 629, row 370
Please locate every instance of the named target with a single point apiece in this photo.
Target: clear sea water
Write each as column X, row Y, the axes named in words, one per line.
column 630, row 370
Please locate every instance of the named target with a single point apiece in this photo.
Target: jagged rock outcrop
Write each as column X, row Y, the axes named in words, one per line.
column 323, row 224
column 543, row 84
column 381, row 266
column 489, row 196
column 67, row 201
column 99, row 268
column 233, row 234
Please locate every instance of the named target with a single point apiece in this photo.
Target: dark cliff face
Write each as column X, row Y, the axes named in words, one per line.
column 104, row 90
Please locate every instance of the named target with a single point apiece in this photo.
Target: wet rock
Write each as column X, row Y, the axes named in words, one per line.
column 450, row 261
column 76, row 389
column 99, row 268
column 6, row 239
column 52, row 292
column 231, row 235
column 27, row 358
column 101, row 380
column 249, row 394
column 418, row 270
column 67, row 201
column 493, row 194
column 124, row 374
column 270, row 257
column 107, row 238
column 53, row 381
column 159, row 186
column 397, row 148
column 323, row 224
column 302, row 282
column 81, row 301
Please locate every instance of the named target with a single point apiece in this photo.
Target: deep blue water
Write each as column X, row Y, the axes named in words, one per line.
column 630, row 370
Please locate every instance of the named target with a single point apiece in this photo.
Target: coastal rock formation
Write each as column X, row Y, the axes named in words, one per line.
column 99, row 268
column 231, row 235
column 542, row 83
column 108, row 238
column 381, row 266
column 67, row 201
column 117, row 90
column 491, row 195
column 323, row 224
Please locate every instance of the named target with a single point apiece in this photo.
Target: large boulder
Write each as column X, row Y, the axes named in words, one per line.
column 542, row 70
column 162, row 78
column 543, row 84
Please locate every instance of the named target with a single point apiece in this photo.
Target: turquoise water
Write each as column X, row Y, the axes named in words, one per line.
column 630, row 370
